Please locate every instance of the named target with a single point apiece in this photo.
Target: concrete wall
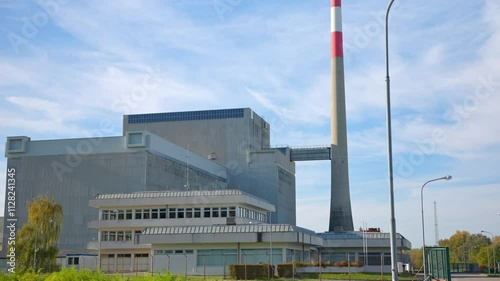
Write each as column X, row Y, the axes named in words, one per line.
column 241, row 145
column 74, row 179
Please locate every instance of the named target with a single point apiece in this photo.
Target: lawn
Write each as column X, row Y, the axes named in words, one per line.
column 83, row 275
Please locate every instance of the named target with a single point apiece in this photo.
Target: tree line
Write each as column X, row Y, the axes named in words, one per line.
column 465, row 248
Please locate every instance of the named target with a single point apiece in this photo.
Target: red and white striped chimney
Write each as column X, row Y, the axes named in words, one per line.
column 340, row 202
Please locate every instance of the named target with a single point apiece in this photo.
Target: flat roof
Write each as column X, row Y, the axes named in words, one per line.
column 187, row 198
column 210, row 229
column 165, row 194
column 357, row 235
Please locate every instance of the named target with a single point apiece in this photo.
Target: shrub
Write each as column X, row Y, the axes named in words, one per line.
column 286, row 270
column 341, row 264
column 253, row 271
column 71, row 274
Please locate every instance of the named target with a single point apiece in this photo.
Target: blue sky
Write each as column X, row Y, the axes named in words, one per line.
column 67, row 66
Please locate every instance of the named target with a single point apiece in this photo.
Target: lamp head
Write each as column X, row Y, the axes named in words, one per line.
column 448, row 177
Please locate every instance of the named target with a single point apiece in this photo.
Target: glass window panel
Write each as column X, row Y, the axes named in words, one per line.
column 172, row 213
column 189, row 213
column 138, row 214
column 146, row 214
column 121, row 214
column 112, row 236
column 223, row 212
column 197, row 212
column 104, row 236
column 154, row 213
column 232, row 212
column 163, row 213
column 180, row 213
column 128, row 235
column 119, row 236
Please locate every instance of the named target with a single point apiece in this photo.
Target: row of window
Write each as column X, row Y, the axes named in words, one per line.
column 119, row 235
column 370, row 259
column 172, row 252
column 180, row 213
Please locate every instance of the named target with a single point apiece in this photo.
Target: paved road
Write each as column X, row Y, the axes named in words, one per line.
column 471, row 277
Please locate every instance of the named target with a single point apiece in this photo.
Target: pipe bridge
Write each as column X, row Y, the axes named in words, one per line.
column 310, row 153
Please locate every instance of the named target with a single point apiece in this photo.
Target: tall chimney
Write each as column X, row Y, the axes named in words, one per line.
column 340, row 203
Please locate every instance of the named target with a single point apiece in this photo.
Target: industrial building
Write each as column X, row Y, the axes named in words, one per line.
column 198, row 150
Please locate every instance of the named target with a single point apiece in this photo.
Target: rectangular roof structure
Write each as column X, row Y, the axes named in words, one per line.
column 209, row 229
column 242, row 233
column 186, row 116
column 189, row 198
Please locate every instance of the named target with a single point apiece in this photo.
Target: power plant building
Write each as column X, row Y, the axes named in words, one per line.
column 180, row 151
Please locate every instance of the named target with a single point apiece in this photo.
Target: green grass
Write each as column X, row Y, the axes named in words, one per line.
column 361, row 276
column 83, row 275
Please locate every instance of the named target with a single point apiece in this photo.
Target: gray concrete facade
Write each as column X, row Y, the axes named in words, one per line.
column 240, row 142
column 74, row 171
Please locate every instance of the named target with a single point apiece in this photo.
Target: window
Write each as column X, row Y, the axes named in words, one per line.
column 104, row 236
column 128, row 235
column 112, row 215
column 154, row 213
column 206, row 212
column 146, row 214
column 189, row 213
column 105, row 215
column 223, row 212
column 112, row 236
column 189, row 251
column 197, row 212
column 128, row 214
column 178, row 252
column 119, row 236
column 232, row 212
column 172, row 213
column 216, row 257
column 215, row 212
column 180, row 213
column 73, row 261
column 138, row 214
column 163, row 213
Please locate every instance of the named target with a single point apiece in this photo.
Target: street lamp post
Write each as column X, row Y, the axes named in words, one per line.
column 494, row 255
column 423, row 228
column 394, row 253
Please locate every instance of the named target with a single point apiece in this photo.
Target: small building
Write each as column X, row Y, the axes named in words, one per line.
column 145, row 231
column 370, row 247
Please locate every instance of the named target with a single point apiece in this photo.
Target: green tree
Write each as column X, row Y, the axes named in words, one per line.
column 415, row 259
column 467, row 248
column 37, row 239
